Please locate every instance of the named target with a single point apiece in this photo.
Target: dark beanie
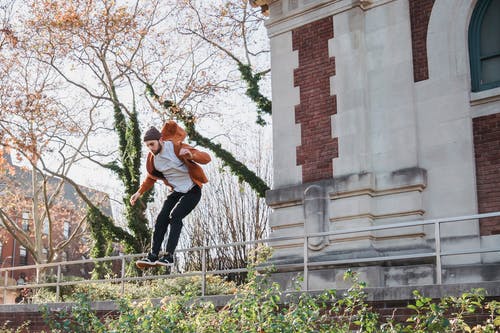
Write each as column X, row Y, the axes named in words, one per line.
column 152, row 134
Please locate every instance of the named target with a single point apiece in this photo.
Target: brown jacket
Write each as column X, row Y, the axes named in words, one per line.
column 173, row 132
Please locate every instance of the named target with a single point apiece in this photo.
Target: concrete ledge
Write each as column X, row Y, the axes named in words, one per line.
column 295, row 194
column 492, row 289
column 403, row 180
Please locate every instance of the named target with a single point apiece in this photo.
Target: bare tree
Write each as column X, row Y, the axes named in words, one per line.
column 35, row 123
column 230, row 212
column 6, row 34
column 236, row 32
column 104, row 42
column 108, row 52
column 229, row 30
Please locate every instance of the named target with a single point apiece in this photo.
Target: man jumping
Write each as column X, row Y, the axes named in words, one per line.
column 176, row 164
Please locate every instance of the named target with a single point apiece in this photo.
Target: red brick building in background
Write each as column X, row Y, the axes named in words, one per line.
column 65, row 218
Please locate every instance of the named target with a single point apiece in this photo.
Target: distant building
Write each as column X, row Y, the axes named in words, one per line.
column 65, row 219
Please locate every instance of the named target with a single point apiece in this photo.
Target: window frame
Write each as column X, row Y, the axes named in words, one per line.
column 23, row 259
column 25, row 221
column 475, row 48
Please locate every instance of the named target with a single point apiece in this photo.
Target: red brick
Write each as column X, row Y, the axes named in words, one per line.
column 317, row 147
column 420, row 13
column 486, row 131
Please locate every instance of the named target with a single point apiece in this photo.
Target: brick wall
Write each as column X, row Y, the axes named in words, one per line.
column 14, row 320
column 420, row 13
column 487, row 154
column 316, row 106
column 27, row 314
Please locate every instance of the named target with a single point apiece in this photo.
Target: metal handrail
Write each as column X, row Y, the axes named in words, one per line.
column 305, row 265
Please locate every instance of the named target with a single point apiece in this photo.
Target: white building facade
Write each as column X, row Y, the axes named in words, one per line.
column 386, row 111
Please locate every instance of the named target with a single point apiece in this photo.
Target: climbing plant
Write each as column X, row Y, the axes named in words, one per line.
column 237, row 168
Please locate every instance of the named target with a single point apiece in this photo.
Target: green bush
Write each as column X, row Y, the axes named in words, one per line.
column 259, row 306
column 215, row 285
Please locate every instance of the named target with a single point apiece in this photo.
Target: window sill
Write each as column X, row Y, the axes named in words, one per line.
column 485, row 96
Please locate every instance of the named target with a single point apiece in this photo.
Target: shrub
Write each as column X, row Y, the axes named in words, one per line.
column 259, row 306
column 215, row 285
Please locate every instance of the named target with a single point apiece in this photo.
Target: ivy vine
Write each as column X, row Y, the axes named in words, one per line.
column 264, row 105
column 237, row 168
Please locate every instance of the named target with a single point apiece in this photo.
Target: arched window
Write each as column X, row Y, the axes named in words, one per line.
column 484, row 45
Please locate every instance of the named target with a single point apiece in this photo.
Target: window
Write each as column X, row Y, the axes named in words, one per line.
column 23, row 256
column 25, row 223
column 66, row 230
column 484, row 45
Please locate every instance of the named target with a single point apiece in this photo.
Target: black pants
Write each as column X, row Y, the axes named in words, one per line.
column 174, row 209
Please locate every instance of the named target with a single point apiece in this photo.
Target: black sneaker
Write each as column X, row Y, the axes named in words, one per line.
column 166, row 260
column 149, row 261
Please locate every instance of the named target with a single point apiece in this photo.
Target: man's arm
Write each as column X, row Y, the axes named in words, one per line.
column 146, row 185
column 194, row 155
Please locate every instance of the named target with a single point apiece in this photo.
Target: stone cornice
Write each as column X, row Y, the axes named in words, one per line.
column 284, row 21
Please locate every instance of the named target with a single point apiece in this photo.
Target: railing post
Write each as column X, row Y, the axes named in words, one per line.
column 203, row 271
column 58, row 287
column 306, row 262
column 123, row 276
column 437, row 237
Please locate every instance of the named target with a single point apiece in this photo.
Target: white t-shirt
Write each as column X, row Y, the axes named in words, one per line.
column 174, row 170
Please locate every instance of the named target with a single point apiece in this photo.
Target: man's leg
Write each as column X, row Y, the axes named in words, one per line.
column 185, row 205
column 160, row 228
column 163, row 220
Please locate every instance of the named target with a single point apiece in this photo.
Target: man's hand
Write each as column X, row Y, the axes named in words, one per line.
column 134, row 198
column 186, row 153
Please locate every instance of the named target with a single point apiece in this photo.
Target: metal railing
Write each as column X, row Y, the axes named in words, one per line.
column 304, row 266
